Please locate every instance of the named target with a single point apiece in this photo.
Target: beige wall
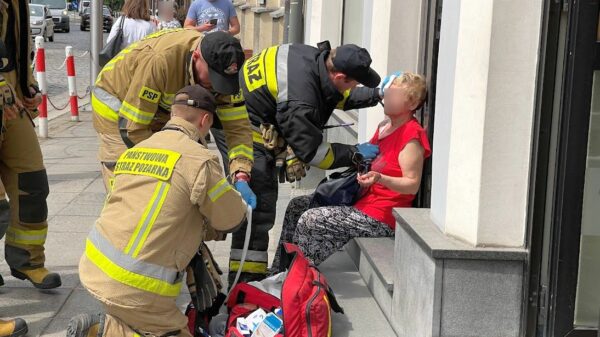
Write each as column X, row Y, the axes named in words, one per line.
column 484, row 117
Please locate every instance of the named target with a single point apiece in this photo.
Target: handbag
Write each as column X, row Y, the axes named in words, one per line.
column 113, row 47
column 338, row 189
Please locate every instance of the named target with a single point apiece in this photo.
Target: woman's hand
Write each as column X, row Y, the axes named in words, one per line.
column 368, row 179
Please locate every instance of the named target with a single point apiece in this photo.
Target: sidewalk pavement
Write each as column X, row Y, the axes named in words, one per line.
column 76, row 198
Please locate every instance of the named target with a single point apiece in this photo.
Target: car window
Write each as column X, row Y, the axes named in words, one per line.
column 106, row 12
column 56, row 4
column 36, row 11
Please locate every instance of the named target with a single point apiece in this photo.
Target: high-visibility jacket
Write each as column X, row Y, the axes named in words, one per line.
column 289, row 86
column 169, row 194
column 134, row 92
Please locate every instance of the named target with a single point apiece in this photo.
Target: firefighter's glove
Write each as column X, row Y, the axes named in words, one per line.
column 270, row 137
column 295, row 169
column 387, row 82
column 368, row 150
column 246, row 192
column 206, row 277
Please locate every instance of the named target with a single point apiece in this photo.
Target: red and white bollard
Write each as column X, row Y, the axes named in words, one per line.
column 72, row 84
column 40, row 68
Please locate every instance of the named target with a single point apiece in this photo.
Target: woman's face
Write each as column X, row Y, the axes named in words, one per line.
column 397, row 101
column 165, row 13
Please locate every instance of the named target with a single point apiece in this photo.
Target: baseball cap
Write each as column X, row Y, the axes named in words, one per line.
column 224, row 56
column 355, row 62
column 198, row 97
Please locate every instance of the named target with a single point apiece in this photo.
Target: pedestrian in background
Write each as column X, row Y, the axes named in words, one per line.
column 166, row 15
column 207, row 16
column 137, row 22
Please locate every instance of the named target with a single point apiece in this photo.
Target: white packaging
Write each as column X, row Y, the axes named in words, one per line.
column 269, row 327
column 255, row 318
column 242, row 325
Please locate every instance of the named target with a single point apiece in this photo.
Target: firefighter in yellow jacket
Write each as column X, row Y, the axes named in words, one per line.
column 134, row 92
column 169, row 194
column 21, row 164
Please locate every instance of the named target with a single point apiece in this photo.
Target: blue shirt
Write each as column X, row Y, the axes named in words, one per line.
column 203, row 11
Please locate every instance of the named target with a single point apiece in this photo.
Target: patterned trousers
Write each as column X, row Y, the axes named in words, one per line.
column 322, row 231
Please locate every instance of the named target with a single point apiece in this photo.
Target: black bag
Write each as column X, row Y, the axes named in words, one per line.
column 339, row 189
column 113, row 47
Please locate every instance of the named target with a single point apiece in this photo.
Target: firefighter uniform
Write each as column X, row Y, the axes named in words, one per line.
column 134, row 91
column 169, row 194
column 288, row 86
column 21, row 165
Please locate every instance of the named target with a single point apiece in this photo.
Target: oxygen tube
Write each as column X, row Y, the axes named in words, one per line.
column 244, row 251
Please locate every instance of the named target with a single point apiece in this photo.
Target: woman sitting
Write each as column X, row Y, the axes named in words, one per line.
column 393, row 181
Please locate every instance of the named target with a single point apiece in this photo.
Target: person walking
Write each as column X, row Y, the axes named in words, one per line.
column 208, row 16
column 169, row 195
column 137, row 22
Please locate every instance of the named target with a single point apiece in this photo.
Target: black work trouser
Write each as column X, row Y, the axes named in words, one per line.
column 264, row 184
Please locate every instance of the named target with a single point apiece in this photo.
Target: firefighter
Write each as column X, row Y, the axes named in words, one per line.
column 169, row 194
column 21, row 165
column 134, row 92
column 291, row 91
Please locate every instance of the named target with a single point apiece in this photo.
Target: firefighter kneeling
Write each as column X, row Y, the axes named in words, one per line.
column 169, row 195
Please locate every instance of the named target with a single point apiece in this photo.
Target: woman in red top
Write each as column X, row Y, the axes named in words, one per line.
column 393, row 181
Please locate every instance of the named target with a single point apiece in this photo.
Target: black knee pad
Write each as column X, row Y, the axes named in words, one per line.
column 32, row 204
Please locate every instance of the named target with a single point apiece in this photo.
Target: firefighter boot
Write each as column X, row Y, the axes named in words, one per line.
column 41, row 278
column 13, row 328
column 86, row 325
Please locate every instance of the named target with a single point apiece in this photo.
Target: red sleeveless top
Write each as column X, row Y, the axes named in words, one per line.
column 379, row 200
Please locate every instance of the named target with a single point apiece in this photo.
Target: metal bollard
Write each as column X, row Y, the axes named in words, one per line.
column 40, row 67
column 72, row 84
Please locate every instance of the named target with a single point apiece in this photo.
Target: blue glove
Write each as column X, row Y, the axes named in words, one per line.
column 387, row 81
column 246, row 192
column 368, row 150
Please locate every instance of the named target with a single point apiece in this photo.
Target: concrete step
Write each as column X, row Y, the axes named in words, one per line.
column 373, row 257
column 363, row 317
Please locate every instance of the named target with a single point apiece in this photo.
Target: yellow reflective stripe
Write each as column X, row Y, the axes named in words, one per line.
column 249, row 267
column 242, row 150
column 257, row 137
column 324, row 157
column 136, row 115
column 328, row 161
column 147, row 219
column 271, row 71
column 2, row 83
column 127, row 277
column 329, row 323
column 342, row 103
column 219, row 189
column 232, row 114
column 26, row 237
column 104, row 110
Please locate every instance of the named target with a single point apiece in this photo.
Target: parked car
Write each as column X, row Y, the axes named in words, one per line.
column 40, row 22
column 83, row 5
column 107, row 18
column 60, row 13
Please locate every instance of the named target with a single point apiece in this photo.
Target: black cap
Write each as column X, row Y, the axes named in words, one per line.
column 224, row 56
column 355, row 62
column 198, row 97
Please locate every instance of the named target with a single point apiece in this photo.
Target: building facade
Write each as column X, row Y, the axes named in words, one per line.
column 507, row 239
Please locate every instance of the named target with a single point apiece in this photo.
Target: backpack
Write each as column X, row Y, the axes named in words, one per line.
column 306, row 299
